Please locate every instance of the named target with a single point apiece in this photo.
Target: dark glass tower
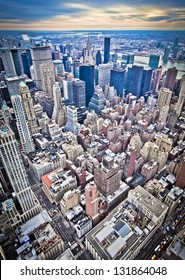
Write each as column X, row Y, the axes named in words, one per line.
column 146, row 81
column 79, row 93
column 117, row 80
column 98, row 58
column 87, row 75
column 154, row 61
column 134, row 79
column 17, row 63
column 27, row 62
column 106, row 50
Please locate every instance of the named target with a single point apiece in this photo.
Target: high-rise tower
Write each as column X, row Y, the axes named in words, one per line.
column 181, row 98
column 22, row 124
column 87, row 75
column 13, row 164
column 171, row 75
column 28, row 107
column 47, row 74
column 106, row 50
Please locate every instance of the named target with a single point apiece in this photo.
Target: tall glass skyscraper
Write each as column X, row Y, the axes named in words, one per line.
column 27, row 62
column 117, row 80
column 79, row 93
column 98, row 58
column 134, row 79
column 87, row 75
column 106, row 50
column 146, row 81
column 154, row 61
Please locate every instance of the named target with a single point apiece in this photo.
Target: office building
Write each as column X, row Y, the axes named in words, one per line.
column 72, row 120
column 70, row 199
column 13, row 84
column 97, row 101
column 173, row 198
column 58, row 67
column 47, row 75
column 104, row 74
column 154, row 61
column 98, row 58
column 26, row 62
column 28, row 107
column 106, row 176
column 146, row 81
column 166, row 54
column 156, row 80
column 123, row 233
column 92, row 199
column 23, row 127
column 106, row 50
column 164, row 97
column 134, row 80
column 87, row 75
column 79, row 93
column 13, row 164
column 88, row 57
column 39, row 56
column 7, row 62
column 171, row 75
column 180, row 102
column 72, row 150
column 16, row 60
column 117, row 80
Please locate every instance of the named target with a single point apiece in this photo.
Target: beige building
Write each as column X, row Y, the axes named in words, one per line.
column 173, row 198
column 152, row 207
column 70, row 199
column 58, row 182
column 164, row 97
column 47, row 74
column 72, row 150
column 28, row 107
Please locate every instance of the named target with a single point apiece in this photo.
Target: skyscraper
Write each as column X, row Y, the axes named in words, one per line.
column 92, row 200
column 13, row 84
column 26, row 61
column 7, row 62
column 28, row 107
column 47, row 75
column 88, row 57
column 59, row 112
column 146, row 81
column 171, row 75
column 39, row 56
column 176, row 42
column 13, row 164
column 87, row 75
column 156, row 80
column 164, row 97
column 106, row 176
column 154, row 61
column 98, row 58
column 134, row 79
column 166, row 54
column 58, row 67
column 104, row 74
column 22, row 124
column 16, row 59
column 72, row 120
column 117, row 80
column 181, row 98
column 106, row 50
column 79, row 93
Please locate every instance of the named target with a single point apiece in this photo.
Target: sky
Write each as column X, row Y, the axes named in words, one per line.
column 92, row 15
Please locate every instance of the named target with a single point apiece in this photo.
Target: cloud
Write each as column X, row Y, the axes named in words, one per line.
column 97, row 14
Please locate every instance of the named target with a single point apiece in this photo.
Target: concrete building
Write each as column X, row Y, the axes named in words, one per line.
column 72, row 150
column 92, row 198
column 47, row 75
column 44, row 162
column 28, row 107
column 171, row 75
column 13, row 84
column 123, row 233
column 180, row 102
column 164, row 97
column 104, row 74
column 82, row 224
column 69, row 200
column 7, row 61
column 107, row 176
column 57, row 183
column 39, row 56
column 23, row 127
column 172, row 199
column 13, row 164
column 72, row 120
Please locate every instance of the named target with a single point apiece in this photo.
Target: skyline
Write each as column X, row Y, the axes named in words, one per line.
column 92, row 15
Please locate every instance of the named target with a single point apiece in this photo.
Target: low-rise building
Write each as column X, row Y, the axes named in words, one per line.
column 57, row 182
column 69, row 200
column 173, row 198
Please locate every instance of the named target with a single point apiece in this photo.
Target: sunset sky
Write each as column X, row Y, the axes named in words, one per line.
column 92, row 14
